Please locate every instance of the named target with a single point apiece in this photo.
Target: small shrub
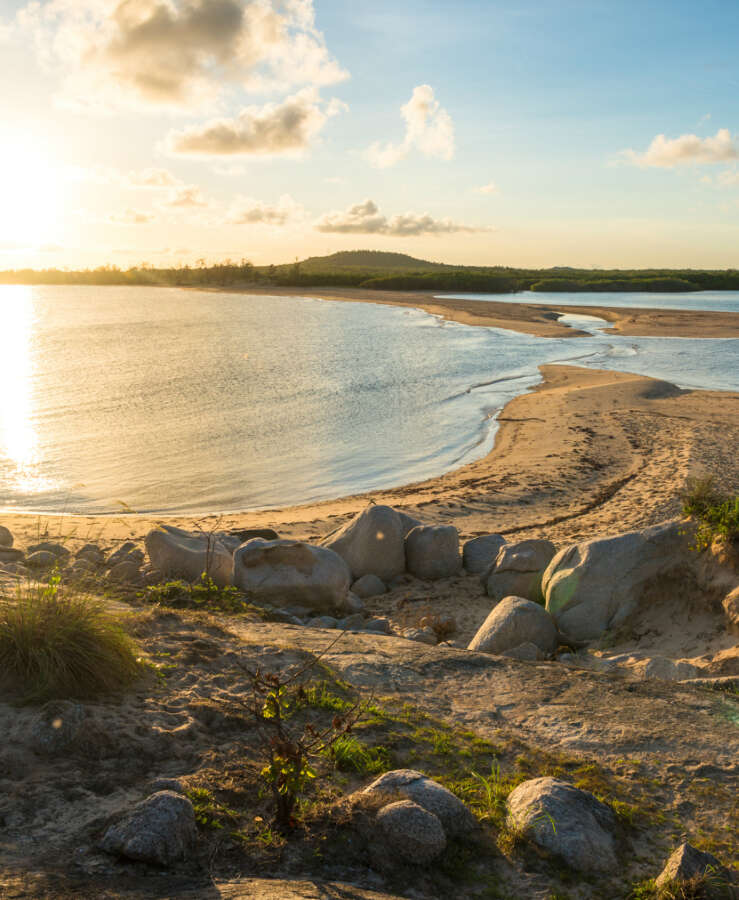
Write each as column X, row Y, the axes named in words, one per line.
column 204, row 594
column 717, row 514
column 62, row 645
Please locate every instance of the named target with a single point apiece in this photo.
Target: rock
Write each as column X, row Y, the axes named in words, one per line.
column 121, row 553
column 323, row 622
column 353, row 604
column 182, row 554
column 567, row 822
column 731, row 607
column 248, row 534
column 6, row 537
column 408, row 784
column 526, row 651
column 479, row 554
column 161, row 829
column 167, row 784
column 286, row 572
column 379, row 626
column 41, row 559
column 91, row 553
column 126, row 572
column 515, row 621
column 56, row 726
column 57, row 550
column 594, row 586
column 373, row 542
column 669, row 669
column 368, row 586
column 518, row 570
column 411, row 832
column 351, row 623
column 432, row 551
column 11, row 554
column 422, row 635
column 687, row 863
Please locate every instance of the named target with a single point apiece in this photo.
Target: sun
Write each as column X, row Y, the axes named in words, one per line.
column 30, row 191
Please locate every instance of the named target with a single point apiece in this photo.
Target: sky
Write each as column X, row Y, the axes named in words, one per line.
column 595, row 134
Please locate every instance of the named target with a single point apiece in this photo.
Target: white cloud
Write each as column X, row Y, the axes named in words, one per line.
column 186, row 196
column 176, row 52
column 131, row 217
column 365, row 218
column 276, row 129
column 246, row 211
column 688, row 149
column 729, row 178
column 428, row 129
column 489, row 188
column 152, row 178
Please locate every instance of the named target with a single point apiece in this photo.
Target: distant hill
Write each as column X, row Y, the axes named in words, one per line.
column 375, row 260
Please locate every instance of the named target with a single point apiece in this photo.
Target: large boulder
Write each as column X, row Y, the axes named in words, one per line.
column 567, row 822
column 432, row 551
column 373, row 542
column 594, row 586
column 160, row 829
column 182, row 554
column 518, row 569
column 478, row 554
column 288, row 573
column 687, row 863
column 432, row 796
column 515, row 621
column 411, row 832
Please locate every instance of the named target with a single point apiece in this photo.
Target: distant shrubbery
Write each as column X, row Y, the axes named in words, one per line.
column 386, row 271
column 717, row 513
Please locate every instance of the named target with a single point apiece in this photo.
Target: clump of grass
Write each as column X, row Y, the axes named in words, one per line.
column 204, row 594
column 57, row 644
column 352, row 755
column 717, row 514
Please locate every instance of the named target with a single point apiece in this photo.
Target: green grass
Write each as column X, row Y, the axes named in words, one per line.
column 352, row 755
column 717, row 514
column 59, row 644
column 203, row 594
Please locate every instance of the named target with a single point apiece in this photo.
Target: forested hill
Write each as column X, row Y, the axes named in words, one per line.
column 375, row 270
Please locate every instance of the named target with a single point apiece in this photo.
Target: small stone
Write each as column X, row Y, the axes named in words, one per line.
column 368, row 586
column 126, row 572
column 422, row 636
column 6, row 537
column 248, row 534
column 378, row 626
column 11, row 554
column 515, row 621
column 41, row 559
column 525, row 651
column 408, row 784
column 323, row 622
column 687, row 863
column 351, row 623
column 161, row 829
column 412, row 833
column 56, row 549
column 92, row 554
column 353, row 603
column 120, row 554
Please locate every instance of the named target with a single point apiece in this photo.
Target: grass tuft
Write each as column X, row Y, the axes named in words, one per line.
column 717, row 514
column 57, row 644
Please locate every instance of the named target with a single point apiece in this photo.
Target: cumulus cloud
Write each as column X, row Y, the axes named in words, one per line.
column 489, row 188
column 246, row 211
column 276, row 129
column 688, row 149
column 177, row 52
column 365, row 218
column 428, row 129
column 186, row 196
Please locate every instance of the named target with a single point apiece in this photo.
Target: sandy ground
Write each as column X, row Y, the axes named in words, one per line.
column 533, row 318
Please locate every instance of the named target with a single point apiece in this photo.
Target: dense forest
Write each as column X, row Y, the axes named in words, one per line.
column 376, row 270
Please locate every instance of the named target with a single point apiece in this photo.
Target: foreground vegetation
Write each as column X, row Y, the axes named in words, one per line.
column 375, row 270
column 716, row 513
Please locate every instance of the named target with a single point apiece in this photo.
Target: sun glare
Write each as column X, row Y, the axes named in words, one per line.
column 29, row 191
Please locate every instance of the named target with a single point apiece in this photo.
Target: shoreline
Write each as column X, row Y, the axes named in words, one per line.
column 528, row 318
column 586, row 451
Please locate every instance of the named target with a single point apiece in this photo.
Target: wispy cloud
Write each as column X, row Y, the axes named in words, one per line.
column 365, row 218
column 246, row 211
column 187, row 196
column 688, row 149
column 176, row 52
column 276, row 129
column 428, row 129
column 488, row 189
column 131, row 217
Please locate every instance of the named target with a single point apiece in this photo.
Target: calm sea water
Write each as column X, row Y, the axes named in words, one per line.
column 716, row 301
column 167, row 400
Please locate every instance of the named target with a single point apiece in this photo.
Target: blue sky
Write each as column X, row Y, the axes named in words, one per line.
column 261, row 146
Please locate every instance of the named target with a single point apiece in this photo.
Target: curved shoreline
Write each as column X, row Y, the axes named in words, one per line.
column 529, row 318
column 586, row 451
